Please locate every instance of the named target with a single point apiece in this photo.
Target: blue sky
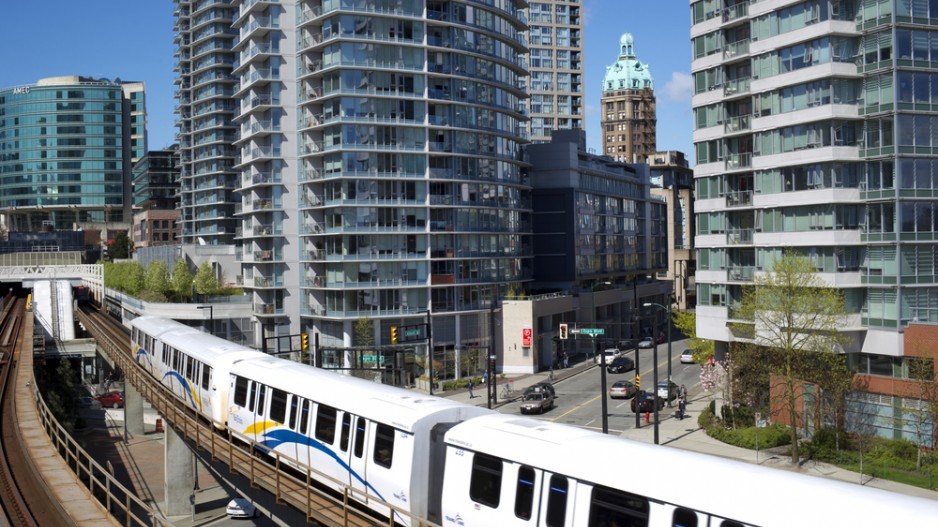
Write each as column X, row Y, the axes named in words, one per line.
column 133, row 40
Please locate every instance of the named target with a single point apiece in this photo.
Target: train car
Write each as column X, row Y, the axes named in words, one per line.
column 510, row 471
column 194, row 366
column 372, row 437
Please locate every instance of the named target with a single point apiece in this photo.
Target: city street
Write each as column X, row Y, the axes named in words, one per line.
column 578, row 402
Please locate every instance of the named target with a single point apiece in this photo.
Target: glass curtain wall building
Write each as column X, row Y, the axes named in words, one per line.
column 205, row 57
column 556, row 65
column 380, row 164
column 67, row 147
column 813, row 131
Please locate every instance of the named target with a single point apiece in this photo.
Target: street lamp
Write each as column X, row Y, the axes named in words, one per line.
column 602, row 361
column 668, row 309
column 211, row 318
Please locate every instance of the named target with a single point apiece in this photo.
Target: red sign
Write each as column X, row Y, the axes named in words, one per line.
column 527, row 334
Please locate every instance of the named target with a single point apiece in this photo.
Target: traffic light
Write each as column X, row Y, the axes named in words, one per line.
column 638, row 381
column 563, row 331
column 304, row 341
column 393, row 334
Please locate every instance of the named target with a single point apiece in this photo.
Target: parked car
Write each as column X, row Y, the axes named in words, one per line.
column 644, row 402
column 626, row 345
column 646, row 343
column 667, row 390
column 687, row 357
column 111, row 399
column 610, row 354
column 622, row 389
column 240, row 508
column 621, row 365
column 540, row 387
column 537, row 403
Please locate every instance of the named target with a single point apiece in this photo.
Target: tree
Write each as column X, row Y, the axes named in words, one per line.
column 120, row 247
column 363, row 336
column 182, row 280
column 686, row 323
column 794, row 315
column 157, row 278
column 205, row 281
column 925, row 409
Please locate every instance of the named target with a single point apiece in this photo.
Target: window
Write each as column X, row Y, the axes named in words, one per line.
column 684, row 518
column 384, row 445
column 359, row 437
column 346, row 428
column 610, row 506
column 524, row 493
column 253, row 397
column 206, row 375
column 304, row 417
column 241, row 391
column 557, row 502
column 325, row 424
column 294, row 411
column 485, row 485
column 261, row 396
column 278, row 405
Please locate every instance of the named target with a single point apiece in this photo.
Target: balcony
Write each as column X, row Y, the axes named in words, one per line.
column 739, row 198
column 737, row 124
column 741, row 273
column 736, row 87
column 268, row 309
column 736, row 49
column 738, row 236
column 738, row 161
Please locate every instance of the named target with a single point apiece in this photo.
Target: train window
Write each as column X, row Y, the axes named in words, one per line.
column 557, row 502
column 304, row 418
column 253, row 397
column 346, row 426
column 614, row 507
column 325, row 424
column 359, row 437
column 294, row 403
column 206, row 375
column 261, row 400
column 384, row 445
column 485, row 484
column 278, row 405
column 730, row 523
column 241, row 391
column 524, row 494
column 189, row 365
column 684, row 518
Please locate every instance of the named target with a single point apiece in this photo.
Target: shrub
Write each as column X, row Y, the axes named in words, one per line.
column 769, row 437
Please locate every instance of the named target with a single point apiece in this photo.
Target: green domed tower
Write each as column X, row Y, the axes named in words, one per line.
column 628, row 102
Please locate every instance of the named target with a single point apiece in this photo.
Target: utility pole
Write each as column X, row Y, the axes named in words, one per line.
column 430, row 346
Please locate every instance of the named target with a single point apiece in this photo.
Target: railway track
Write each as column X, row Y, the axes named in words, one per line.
column 24, row 498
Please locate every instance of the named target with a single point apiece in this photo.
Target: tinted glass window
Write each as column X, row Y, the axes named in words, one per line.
column 684, row 518
column 325, row 424
column 206, row 375
column 241, row 391
column 304, row 417
column 614, row 507
column 278, row 405
column 294, row 410
column 731, row 523
column 524, row 494
column 359, row 437
column 557, row 501
column 261, row 400
column 384, row 445
column 485, row 485
column 253, row 396
column 346, row 430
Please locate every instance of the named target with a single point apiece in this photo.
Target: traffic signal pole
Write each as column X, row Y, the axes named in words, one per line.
column 602, row 385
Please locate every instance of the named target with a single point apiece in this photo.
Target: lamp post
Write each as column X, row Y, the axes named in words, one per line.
column 668, row 309
column 602, row 361
column 211, row 318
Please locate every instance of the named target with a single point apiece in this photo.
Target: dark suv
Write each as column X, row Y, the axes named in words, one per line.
column 621, row 365
column 644, row 402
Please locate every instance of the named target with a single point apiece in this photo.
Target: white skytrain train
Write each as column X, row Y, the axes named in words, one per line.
column 460, row 465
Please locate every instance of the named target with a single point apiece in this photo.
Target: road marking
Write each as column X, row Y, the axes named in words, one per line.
column 575, row 408
column 591, row 422
column 620, row 405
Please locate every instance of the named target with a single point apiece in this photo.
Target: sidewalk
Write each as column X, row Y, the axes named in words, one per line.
column 686, row 434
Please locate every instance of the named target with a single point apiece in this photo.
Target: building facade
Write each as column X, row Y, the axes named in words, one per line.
column 629, row 118
column 556, row 65
column 813, row 133
column 380, row 166
column 156, row 180
column 67, row 146
column 155, row 227
column 672, row 180
column 206, row 108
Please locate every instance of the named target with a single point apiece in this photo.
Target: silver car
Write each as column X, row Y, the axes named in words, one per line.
column 537, row 403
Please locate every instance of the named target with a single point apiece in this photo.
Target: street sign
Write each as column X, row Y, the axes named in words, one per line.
column 412, row 333
column 593, row 332
column 527, row 335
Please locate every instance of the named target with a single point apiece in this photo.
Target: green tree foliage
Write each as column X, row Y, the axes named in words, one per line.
column 205, row 281
column 364, row 332
column 182, row 280
column 795, row 316
column 925, row 413
column 127, row 277
column 686, row 323
column 120, row 247
column 157, row 279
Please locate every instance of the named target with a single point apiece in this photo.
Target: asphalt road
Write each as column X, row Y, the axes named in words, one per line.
column 578, row 398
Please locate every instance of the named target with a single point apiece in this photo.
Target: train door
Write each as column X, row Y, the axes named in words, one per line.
column 260, row 410
column 556, row 501
column 298, row 449
column 250, row 430
column 344, row 451
column 359, row 459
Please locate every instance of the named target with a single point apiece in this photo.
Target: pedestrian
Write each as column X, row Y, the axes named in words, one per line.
column 485, row 377
column 470, row 385
column 681, row 408
column 566, row 360
column 682, row 393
